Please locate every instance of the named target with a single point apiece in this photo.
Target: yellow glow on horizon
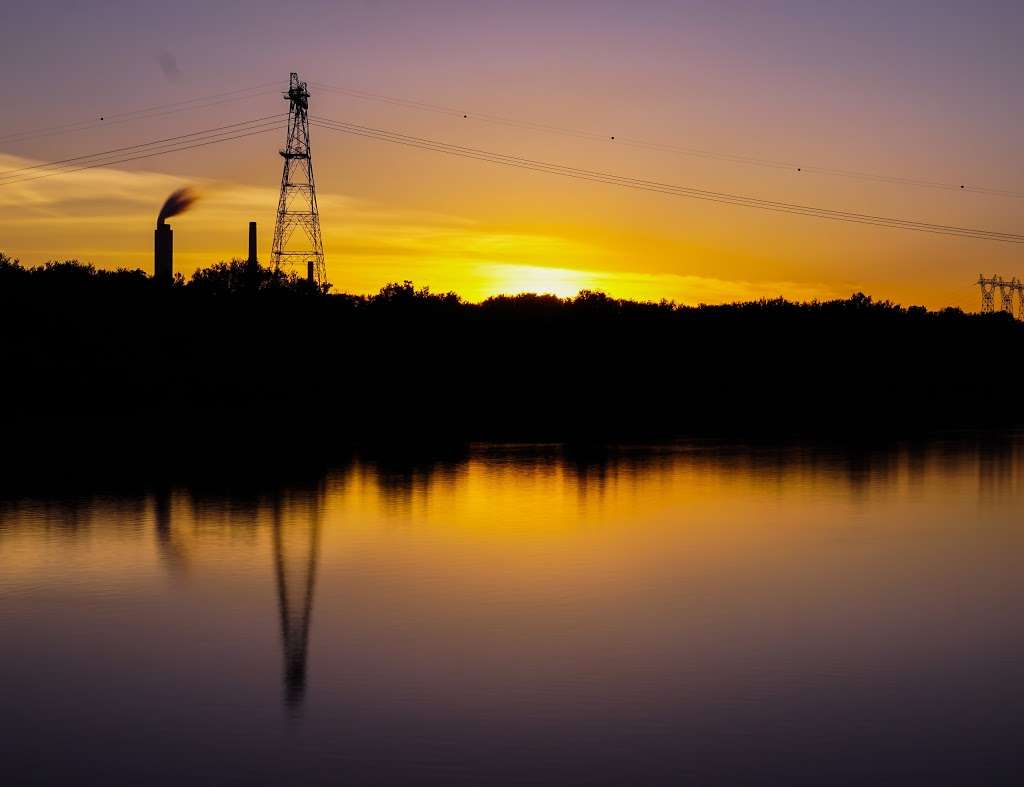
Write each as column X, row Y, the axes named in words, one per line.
column 106, row 217
column 514, row 279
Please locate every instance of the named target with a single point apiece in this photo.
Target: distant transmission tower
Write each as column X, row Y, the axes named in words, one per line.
column 988, row 287
column 296, row 208
column 1006, row 289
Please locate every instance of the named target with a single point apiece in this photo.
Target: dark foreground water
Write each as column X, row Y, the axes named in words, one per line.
column 690, row 615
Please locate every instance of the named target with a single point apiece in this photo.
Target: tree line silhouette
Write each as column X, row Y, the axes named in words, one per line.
column 243, row 354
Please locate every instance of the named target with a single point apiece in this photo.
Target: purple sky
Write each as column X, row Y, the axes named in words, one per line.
column 915, row 89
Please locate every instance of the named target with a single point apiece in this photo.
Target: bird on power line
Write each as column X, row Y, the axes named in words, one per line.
column 659, row 187
column 143, row 150
column 159, row 110
column 679, row 149
column 267, row 123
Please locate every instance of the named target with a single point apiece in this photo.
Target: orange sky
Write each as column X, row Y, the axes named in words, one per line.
column 867, row 92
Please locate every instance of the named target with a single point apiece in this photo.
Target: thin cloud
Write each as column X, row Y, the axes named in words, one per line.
column 105, row 216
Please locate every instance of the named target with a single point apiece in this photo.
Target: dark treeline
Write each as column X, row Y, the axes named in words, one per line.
column 246, row 354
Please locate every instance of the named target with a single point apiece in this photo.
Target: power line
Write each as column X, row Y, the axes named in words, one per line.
column 687, row 151
column 151, row 148
column 159, row 110
column 176, row 148
column 7, row 173
column 246, row 93
column 670, row 188
column 662, row 188
column 268, row 123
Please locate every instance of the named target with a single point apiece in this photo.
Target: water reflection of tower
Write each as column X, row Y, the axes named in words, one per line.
column 162, row 515
column 296, row 543
column 172, row 546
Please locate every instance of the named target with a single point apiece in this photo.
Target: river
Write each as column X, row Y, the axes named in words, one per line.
column 706, row 614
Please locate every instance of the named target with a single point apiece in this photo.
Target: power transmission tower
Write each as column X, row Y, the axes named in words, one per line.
column 1006, row 289
column 988, row 287
column 296, row 207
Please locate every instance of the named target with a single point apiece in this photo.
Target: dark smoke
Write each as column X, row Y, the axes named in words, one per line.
column 179, row 201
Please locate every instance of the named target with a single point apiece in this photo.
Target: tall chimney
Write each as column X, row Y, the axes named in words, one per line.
column 163, row 253
column 252, row 242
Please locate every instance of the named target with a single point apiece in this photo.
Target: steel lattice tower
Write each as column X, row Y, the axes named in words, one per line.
column 296, row 207
column 1006, row 289
column 988, row 287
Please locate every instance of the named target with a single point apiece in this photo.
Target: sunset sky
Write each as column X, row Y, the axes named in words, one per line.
column 916, row 90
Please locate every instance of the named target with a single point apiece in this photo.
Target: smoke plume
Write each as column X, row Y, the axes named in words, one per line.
column 180, row 200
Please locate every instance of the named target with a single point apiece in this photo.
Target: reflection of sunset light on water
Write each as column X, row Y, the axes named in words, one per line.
column 542, row 591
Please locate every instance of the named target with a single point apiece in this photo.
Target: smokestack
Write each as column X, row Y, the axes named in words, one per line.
column 163, row 240
column 252, row 242
column 309, row 271
column 163, row 253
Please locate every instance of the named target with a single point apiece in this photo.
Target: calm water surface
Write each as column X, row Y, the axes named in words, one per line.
column 700, row 615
